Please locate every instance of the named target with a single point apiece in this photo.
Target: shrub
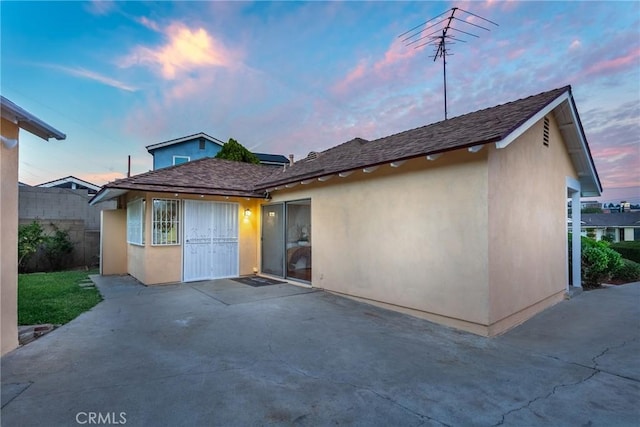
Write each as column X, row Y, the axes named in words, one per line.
column 57, row 247
column 30, row 238
column 233, row 150
column 599, row 261
column 628, row 250
column 629, row 271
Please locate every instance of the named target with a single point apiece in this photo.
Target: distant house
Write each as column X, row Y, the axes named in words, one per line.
column 72, row 183
column 618, row 227
column 195, row 147
column 13, row 119
column 462, row 222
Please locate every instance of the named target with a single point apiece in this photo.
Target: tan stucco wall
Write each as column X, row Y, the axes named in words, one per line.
column 113, row 245
column 9, row 240
column 413, row 236
column 163, row 264
column 527, row 226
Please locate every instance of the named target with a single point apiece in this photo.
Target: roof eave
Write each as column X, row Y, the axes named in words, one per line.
column 28, row 121
column 112, row 192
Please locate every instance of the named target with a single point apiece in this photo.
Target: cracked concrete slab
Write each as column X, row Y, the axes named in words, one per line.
column 223, row 353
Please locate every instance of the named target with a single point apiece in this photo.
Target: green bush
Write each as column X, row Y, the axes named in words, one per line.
column 629, row 271
column 599, row 261
column 56, row 248
column 628, row 250
column 30, row 238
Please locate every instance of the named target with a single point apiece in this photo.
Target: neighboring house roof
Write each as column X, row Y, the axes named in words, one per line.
column 153, row 147
column 69, row 181
column 208, row 176
column 28, row 121
column 623, row 219
column 500, row 125
column 272, row 159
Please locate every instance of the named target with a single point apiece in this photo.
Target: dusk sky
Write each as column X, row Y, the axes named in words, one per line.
column 297, row 77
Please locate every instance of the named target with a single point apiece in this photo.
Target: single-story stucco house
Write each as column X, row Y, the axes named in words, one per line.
column 618, row 227
column 12, row 120
column 462, row 222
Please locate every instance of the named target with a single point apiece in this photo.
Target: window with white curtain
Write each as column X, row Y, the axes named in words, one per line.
column 135, row 222
column 166, row 222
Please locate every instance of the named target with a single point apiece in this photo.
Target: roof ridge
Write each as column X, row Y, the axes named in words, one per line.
column 478, row 127
column 561, row 89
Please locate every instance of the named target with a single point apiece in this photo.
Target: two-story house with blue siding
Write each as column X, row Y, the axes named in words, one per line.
column 198, row 146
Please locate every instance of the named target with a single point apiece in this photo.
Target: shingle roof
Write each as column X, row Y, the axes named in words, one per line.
column 621, row 219
column 204, row 176
column 477, row 128
column 221, row 177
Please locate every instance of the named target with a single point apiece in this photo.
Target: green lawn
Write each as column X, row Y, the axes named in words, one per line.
column 54, row 297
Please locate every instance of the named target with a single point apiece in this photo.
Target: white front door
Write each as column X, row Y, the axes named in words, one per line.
column 210, row 240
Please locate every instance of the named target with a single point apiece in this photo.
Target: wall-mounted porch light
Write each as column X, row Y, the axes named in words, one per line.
column 247, row 213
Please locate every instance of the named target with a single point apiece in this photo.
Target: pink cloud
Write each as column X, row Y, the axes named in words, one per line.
column 101, row 178
column 613, row 65
column 185, row 50
column 514, row 54
column 394, row 63
column 354, row 75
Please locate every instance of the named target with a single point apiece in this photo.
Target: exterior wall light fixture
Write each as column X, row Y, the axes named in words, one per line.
column 247, row 212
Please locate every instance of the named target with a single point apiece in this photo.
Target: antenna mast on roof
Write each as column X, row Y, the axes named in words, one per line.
column 444, row 33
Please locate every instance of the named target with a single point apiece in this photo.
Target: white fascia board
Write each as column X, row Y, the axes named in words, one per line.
column 585, row 151
column 28, row 121
column 106, row 195
column 503, row 143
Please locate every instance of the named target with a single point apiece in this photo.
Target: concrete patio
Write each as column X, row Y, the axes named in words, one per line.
column 223, row 353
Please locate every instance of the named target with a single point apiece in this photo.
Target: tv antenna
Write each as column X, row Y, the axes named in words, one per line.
column 443, row 33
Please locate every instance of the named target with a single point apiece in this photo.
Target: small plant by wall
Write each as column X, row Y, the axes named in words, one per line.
column 34, row 242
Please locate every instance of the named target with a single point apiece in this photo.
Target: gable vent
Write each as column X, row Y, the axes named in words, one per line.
column 312, row 156
column 545, row 132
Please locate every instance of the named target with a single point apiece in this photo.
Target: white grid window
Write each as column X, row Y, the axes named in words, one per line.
column 166, row 222
column 135, row 222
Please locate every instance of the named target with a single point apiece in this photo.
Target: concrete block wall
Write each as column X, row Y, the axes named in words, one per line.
column 68, row 210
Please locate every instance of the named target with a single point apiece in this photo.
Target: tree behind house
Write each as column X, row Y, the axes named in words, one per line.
column 235, row 151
